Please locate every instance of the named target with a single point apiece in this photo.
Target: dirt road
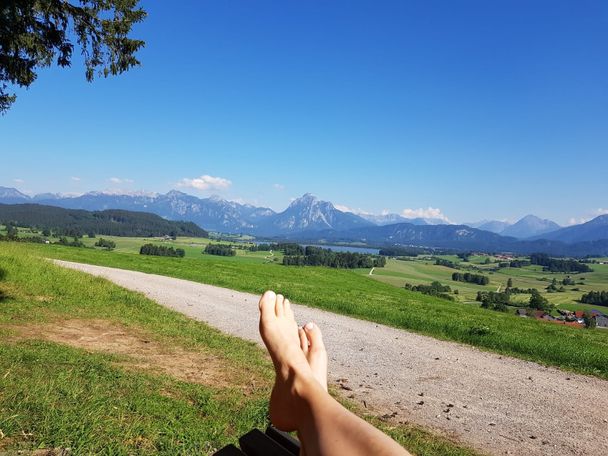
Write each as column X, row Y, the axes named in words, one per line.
column 497, row 404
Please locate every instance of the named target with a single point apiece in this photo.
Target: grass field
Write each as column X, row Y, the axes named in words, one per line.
column 358, row 295
column 422, row 270
column 58, row 392
column 418, row 270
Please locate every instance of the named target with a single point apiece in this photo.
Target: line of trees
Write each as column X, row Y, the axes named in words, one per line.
column 446, row 263
column 494, row 300
column 288, row 248
column 63, row 240
column 75, row 242
column 261, row 247
column 317, row 256
column 434, row 289
column 468, row 277
column 558, row 265
column 219, row 249
column 599, row 298
column 105, row 243
column 161, row 250
column 514, row 264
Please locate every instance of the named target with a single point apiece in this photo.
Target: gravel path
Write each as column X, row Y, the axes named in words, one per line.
column 497, row 404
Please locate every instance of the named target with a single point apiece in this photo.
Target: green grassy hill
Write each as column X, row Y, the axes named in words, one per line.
column 89, row 366
column 357, row 294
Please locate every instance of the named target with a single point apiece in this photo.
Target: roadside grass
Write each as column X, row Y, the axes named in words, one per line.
column 58, row 396
column 347, row 292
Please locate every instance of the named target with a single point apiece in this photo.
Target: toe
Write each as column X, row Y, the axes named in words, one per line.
column 287, row 309
column 314, row 337
column 278, row 308
column 267, row 304
column 303, row 340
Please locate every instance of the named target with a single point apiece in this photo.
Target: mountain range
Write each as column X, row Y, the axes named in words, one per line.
column 308, row 218
column 526, row 227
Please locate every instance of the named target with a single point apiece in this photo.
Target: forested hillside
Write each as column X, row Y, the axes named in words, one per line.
column 113, row 222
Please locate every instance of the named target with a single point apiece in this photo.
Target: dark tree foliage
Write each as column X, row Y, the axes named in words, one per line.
column 494, row 300
column 468, row 277
column 539, row 302
column 161, row 250
column 434, row 289
column 568, row 281
column 553, row 287
column 75, row 242
column 39, row 33
column 446, row 263
column 106, row 244
column 589, row 319
column 558, row 265
column 317, row 256
column 220, row 250
column 464, row 256
column 261, row 247
column 11, row 231
column 516, row 290
column 599, row 298
column 31, row 239
column 289, row 248
column 114, row 222
column 519, row 263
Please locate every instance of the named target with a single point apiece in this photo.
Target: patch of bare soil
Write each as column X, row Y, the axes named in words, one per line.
column 143, row 352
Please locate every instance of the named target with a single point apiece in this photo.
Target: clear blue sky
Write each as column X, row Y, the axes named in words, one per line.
column 482, row 109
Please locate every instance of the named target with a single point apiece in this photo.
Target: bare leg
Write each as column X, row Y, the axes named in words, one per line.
column 299, row 399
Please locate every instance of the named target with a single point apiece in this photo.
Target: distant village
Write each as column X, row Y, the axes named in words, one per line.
column 567, row 317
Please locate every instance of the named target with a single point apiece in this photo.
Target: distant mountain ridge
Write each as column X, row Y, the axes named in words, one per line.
column 12, row 196
column 313, row 219
column 308, row 213
column 530, row 226
column 390, row 219
column 593, row 230
column 494, row 226
column 455, row 237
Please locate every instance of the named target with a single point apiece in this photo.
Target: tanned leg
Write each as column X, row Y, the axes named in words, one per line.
column 299, row 399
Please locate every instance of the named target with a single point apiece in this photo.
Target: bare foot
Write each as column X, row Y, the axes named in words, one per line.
column 311, row 343
column 294, row 375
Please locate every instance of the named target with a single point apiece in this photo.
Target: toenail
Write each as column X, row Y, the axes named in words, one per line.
column 310, row 325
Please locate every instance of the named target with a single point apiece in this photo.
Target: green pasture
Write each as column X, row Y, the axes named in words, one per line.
column 422, row 270
column 356, row 294
column 55, row 396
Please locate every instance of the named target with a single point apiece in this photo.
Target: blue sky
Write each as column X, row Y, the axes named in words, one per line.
column 477, row 109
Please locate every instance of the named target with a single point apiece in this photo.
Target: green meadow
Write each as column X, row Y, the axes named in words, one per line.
column 422, row 270
column 356, row 293
column 55, row 394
